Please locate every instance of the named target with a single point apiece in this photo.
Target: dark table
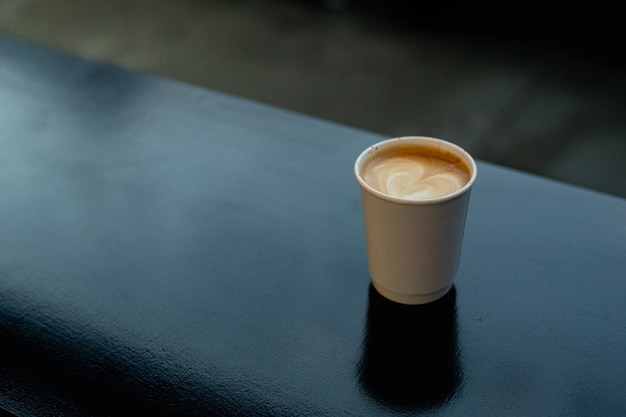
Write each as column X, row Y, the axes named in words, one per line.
column 171, row 251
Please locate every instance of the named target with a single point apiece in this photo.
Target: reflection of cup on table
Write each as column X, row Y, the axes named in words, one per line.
column 417, row 370
column 415, row 192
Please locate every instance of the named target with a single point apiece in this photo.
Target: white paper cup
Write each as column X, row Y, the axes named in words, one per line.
column 414, row 246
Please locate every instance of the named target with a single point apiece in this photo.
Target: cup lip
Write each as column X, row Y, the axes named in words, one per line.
column 438, row 143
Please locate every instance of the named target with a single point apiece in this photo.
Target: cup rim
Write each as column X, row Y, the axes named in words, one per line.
column 437, row 143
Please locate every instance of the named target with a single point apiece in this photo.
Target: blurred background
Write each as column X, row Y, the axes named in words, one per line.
column 520, row 84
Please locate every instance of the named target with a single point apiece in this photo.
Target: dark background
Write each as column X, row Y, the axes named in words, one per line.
column 536, row 86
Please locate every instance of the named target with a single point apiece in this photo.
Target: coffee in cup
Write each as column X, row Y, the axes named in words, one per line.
column 415, row 193
column 415, row 171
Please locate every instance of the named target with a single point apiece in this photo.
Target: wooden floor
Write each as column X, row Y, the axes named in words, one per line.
column 544, row 105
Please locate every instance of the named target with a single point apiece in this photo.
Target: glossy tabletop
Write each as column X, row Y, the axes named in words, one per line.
column 171, row 251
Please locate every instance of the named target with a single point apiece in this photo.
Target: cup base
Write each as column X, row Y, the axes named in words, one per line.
column 412, row 299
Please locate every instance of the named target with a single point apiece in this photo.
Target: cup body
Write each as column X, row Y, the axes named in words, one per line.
column 414, row 246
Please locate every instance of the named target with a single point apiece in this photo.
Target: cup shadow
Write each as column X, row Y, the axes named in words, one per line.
column 410, row 358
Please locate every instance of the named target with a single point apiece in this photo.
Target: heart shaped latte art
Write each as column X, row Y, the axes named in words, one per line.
column 415, row 177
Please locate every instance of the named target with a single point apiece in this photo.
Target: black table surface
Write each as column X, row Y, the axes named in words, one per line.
column 168, row 250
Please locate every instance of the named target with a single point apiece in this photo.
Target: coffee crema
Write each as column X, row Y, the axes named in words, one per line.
column 415, row 172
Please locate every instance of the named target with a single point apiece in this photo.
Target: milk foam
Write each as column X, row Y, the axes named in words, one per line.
column 415, row 173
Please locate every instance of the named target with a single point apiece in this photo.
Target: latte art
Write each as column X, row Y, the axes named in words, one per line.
column 415, row 173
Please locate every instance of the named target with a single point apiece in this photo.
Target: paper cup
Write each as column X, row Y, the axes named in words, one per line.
column 414, row 244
